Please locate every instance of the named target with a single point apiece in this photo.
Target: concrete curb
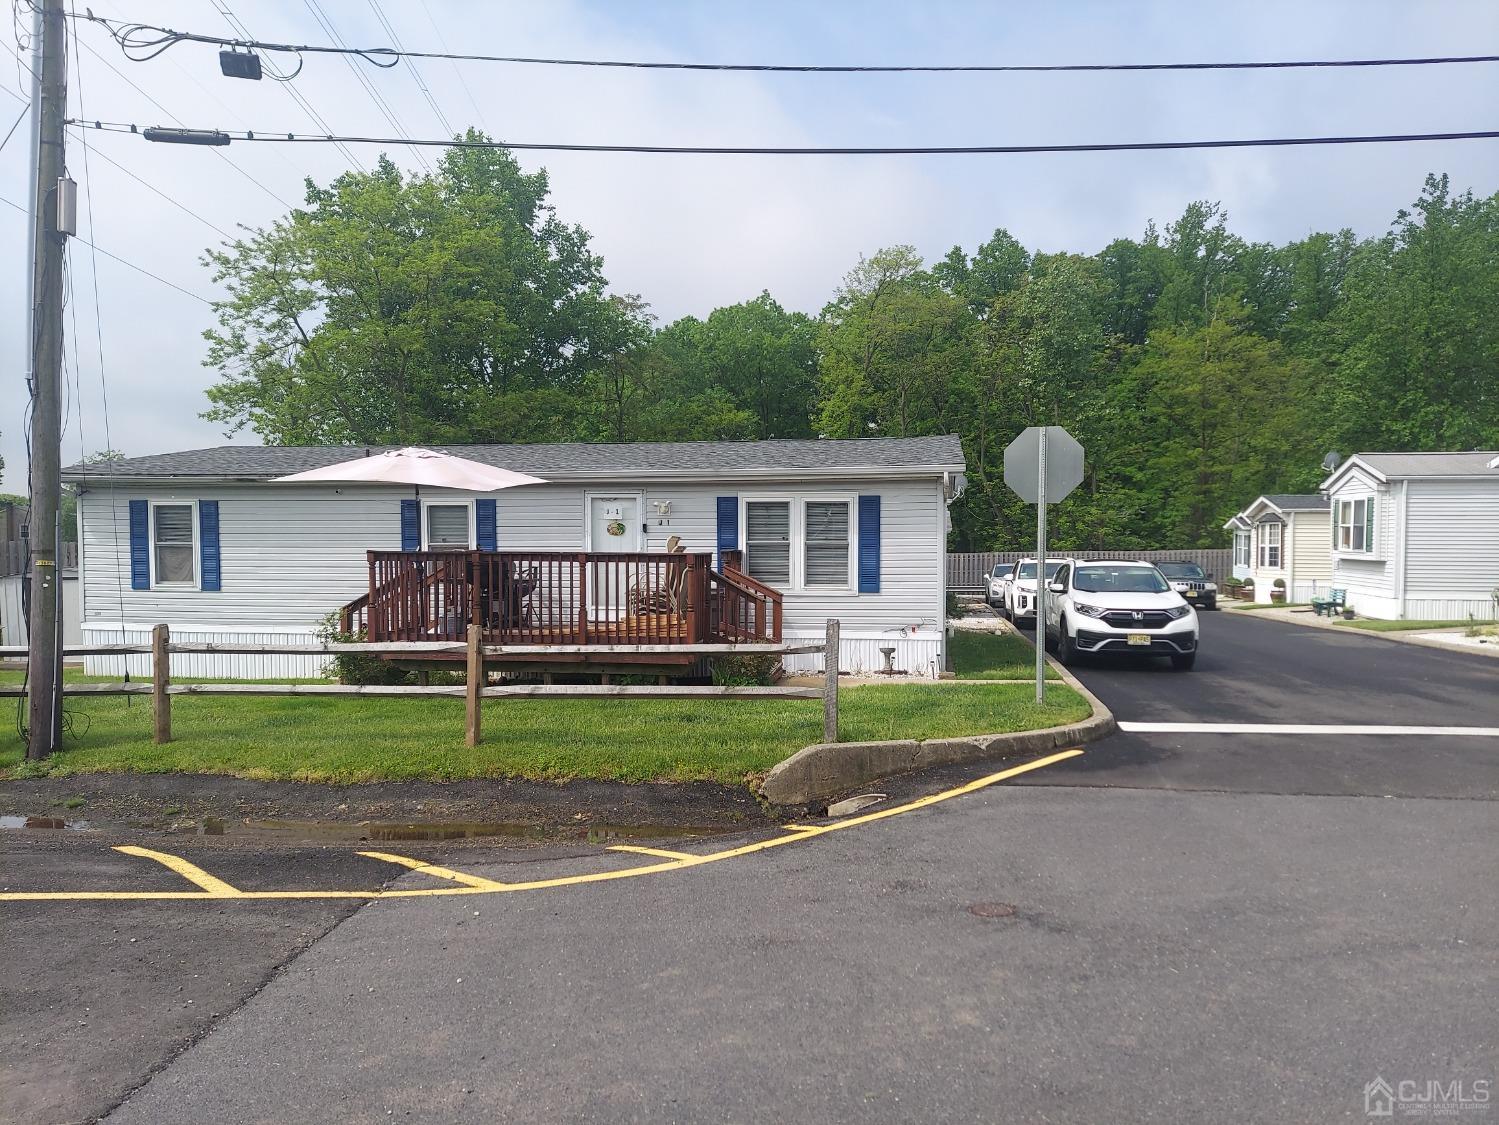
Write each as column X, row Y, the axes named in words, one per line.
column 826, row 769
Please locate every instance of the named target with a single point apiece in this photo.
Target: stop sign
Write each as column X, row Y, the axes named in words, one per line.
column 1064, row 464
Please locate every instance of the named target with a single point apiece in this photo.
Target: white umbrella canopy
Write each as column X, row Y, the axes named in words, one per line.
column 416, row 466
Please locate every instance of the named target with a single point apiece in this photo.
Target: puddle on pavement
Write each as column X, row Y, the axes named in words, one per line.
column 41, row 822
column 447, row 830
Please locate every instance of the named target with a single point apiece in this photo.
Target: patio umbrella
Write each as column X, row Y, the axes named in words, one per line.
column 417, row 466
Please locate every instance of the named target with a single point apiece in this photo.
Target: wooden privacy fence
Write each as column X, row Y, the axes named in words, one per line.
column 966, row 571
column 474, row 691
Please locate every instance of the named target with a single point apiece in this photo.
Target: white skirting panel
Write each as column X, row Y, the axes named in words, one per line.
column 202, row 665
column 918, row 653
column 1481, row 607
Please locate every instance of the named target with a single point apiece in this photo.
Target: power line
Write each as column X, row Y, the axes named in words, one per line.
column 154, row 39
column 175, row 118
column 152, row 188
column 326, row 22
column 138, row 269
column 25, row 110
column 238, row 25
column 853, row 150
column 457, row 70
column 411, row 66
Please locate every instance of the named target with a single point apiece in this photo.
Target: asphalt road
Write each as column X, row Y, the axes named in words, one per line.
column 1210, row 928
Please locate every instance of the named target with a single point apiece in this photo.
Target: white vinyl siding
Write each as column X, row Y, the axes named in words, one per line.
column 1452, row 544
column 297, row 552
column 174, row 545
column 1370, row 579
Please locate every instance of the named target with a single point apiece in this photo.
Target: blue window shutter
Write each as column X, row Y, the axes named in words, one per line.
column 486, row 531
column 411, row 525
column 208, row 544
column 140, row 545
column 869, row 544
column 728, row 526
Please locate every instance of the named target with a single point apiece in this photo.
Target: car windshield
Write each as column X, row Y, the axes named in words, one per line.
column 999, row 571
column 1180, row 570
column 1120, row 580
column 1028, row 570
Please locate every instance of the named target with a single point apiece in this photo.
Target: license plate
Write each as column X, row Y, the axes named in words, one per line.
column 1139, row 638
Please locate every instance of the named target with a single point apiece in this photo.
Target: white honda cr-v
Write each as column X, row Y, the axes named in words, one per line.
column 1118, row 607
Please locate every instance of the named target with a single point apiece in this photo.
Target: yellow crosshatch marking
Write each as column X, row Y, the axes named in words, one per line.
column 212, row 888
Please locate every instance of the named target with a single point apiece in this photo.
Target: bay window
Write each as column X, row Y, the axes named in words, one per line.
column 1242, row 555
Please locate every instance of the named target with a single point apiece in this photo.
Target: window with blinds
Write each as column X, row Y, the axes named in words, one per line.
column 172, row 536
column 767, row 541
column 447, row 527
column 826, row 544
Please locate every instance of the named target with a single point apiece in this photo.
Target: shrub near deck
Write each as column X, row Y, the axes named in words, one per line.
column 369, row 739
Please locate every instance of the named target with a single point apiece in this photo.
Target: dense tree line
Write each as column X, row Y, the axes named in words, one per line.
column 1197, row 368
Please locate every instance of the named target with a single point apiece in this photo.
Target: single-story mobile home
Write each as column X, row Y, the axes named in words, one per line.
column 1283, row 537
column 679, row 542
column 1416, row 535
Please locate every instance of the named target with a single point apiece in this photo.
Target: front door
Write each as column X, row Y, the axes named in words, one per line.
column 613, row 528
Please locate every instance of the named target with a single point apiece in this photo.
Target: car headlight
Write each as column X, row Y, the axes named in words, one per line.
column 1089, row 610
column 1178, row 612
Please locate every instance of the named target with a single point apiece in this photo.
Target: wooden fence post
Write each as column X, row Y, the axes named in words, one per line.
column 161, row 676
column 474, row 695
column 830, row 659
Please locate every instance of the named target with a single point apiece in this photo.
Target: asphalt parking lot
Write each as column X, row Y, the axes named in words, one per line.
column 1226, row 927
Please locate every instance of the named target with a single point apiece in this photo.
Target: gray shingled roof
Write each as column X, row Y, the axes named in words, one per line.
column 1292, row 502
column 261, row 462
column 1431, row 464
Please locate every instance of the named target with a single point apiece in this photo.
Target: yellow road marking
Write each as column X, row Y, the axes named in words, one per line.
column 215, row 887
column 474, row 885
column 660, row 853
column 438, row 872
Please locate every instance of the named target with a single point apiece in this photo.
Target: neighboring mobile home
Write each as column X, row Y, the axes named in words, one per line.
column 1283, row 536
column 206, row 542
column 1416, row 535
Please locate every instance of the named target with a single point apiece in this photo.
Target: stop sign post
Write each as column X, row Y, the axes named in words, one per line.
column 1043, row 465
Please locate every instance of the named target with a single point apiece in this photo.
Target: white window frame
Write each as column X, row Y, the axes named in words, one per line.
column 1243, row 549
column 798, row 508
column 1351, row 504
column 473, row 529
column 1262, row 555
column 197, row 582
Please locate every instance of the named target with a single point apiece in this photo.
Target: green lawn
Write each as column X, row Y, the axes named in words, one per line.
column 987, row 656
column 337, row 739
column 1376, row 626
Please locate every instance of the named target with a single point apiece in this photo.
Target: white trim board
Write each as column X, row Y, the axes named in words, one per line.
column 1301, row 728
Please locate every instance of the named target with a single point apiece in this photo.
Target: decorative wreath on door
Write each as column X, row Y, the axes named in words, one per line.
column 615, row 527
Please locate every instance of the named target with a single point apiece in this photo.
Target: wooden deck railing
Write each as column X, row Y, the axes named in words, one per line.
column 557, row 597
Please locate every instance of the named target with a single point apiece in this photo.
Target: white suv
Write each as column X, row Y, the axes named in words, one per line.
column 1020, row 592
column 1118, row 607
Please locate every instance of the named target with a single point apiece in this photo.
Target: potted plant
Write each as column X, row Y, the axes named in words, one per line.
column 1278, row 590
column 1347, row 612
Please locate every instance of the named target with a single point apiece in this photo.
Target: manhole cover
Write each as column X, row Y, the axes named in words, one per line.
column 992, row 910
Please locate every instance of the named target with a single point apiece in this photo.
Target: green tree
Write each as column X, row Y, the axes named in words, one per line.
column 454, row 306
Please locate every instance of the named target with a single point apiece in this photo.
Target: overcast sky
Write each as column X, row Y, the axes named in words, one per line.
column 692, row 233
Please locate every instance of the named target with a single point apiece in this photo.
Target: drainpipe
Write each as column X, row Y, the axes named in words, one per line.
column 1400, row 523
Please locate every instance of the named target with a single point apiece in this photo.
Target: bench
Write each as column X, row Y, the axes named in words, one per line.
column 1330, row 605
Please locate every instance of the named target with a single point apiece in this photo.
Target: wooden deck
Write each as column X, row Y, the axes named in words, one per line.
column 561, row 598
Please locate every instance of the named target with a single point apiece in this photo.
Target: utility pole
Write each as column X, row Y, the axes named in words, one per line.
column 44, row 702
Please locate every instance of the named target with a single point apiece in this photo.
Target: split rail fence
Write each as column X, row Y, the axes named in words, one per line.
column 161, row 689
